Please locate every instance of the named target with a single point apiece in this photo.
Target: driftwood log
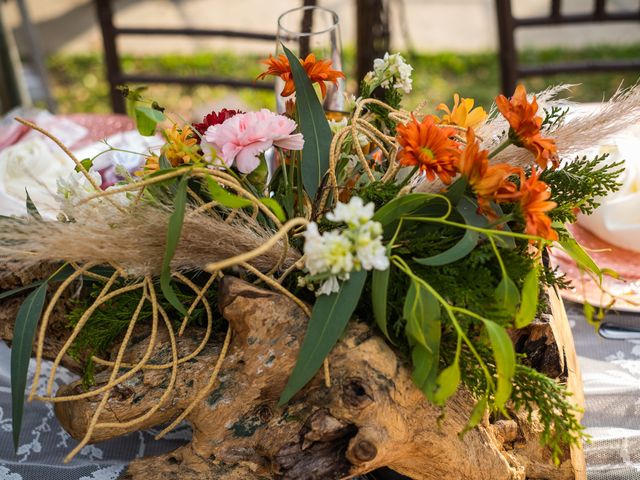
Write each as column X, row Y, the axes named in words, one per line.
column 372, row 416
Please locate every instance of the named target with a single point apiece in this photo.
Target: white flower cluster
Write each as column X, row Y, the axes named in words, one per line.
column 332, row 255
column 391, row 71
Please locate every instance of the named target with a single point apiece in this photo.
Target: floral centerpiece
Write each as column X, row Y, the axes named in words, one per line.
column 431, row 227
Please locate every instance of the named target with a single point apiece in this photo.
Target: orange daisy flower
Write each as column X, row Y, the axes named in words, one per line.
column 488, row 182
column 534, row 203
column 462, row 114
column 525, row 126
column 318, row 71
column 429, row 147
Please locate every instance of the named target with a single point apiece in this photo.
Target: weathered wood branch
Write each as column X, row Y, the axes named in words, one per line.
column 372, row 416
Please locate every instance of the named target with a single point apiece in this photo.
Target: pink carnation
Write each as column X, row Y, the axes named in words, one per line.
column 243, row 137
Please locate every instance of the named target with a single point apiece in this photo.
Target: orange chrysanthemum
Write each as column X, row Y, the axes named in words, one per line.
column 534, row 203
column 525, row 126
column 488, row 182
column 462, row 114
column 429, row 147
column 318, row 71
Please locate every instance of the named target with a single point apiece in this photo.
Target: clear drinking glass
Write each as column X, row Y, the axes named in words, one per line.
column 314, row 30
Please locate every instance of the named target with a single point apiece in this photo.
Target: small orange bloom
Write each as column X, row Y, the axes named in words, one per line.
column 525, row 126
column 429, row 147
column 181, row 146
column 462, row 114
column 318, row 71
column 488, row 182
column 534, row 203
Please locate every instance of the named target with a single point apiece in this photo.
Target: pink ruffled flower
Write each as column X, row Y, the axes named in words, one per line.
column 243, row 137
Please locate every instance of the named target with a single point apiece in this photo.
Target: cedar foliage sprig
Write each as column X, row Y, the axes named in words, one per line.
column 554, row 411
column 579, row 185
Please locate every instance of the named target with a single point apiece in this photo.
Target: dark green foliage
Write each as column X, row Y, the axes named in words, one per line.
column 557, row 415
column 576, row 186
column 378, row 192
column 108, row 323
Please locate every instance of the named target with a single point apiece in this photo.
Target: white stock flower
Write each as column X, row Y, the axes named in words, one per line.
column 353, row 213
column 332, row 255
column 329, row 286
column 391, row 71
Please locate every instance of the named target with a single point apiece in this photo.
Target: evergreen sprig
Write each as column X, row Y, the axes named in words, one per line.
column 579, row 185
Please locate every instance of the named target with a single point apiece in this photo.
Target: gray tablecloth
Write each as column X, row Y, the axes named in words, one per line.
column 610, row 369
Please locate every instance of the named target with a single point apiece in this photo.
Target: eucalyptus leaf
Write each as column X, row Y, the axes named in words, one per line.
column 164, row 162
column 447, row 383
column 406, row 205
column 87, row 163
column 379, row 292
column 273, row 205
column 224, row 197
column 23, row 335
column 423, row 329
column 579, row 255
column 461, row 249
column 529, row 299
column 313, row 125
column 507, row 295
column 174, row 231
column 328, row 321
column 476, row 415
column 505, row 357
column 147, row 119
column 456, row 191
column 31, row 208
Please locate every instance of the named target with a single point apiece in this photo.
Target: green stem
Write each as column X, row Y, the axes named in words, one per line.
column 402, row 265
column 408, row 178
column 500, row 147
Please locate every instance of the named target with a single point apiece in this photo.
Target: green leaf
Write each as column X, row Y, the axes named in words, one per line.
column 379, row 291
column 147, row 119
column 420, row 307
column 461, row 249
column 505, row 357
column 447, row 383
column 579, row 255
column 224, row 197
column 23, row 335
column 529, row 302
column 173, row 237
column 164, row 162
column 589, row 311
column 87, row 163
column 456, row 191
column 423, row 329
column 507, row 295
column 476, row 415
column 328, row 320
column 412, row 203
column 273, row 205
column 313, row 125
column 31, row 208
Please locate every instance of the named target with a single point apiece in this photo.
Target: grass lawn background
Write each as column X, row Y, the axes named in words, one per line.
column 79, row 82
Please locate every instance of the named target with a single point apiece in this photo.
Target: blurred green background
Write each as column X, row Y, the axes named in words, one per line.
column 79, row 82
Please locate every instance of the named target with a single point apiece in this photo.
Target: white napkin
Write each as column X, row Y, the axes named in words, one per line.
column 617, row 220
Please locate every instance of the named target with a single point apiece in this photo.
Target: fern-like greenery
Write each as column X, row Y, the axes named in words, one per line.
column 579, row 185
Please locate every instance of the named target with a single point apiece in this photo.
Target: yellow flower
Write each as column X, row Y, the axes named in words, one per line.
column 462, row 114
column 181, row 146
